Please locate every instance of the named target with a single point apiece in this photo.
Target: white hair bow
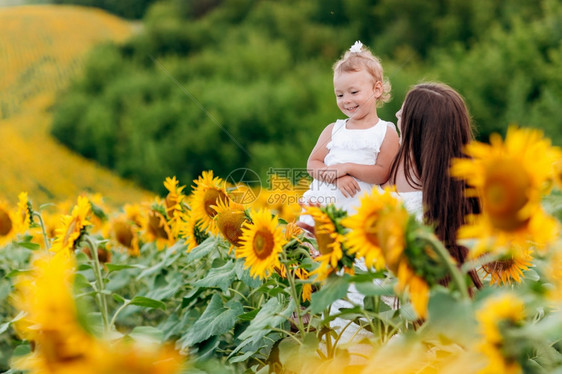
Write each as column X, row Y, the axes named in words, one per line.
column 356, row 48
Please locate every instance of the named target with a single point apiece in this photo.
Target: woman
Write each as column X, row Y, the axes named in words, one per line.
column 434, row 126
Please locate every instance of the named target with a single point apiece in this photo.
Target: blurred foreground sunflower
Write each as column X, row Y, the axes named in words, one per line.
column 329, row 234
column 509, row 177
column 261, row 243
column 382, row 227
column 497, row 315
column 60, row 343
column 45, row 295
column 363, row 235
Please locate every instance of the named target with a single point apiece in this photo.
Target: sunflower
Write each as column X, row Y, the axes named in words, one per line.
column 392, row 227
column 301, row 274
column 135, row 214
column 283, row 198
column 243, row 194
column 510, row 179
column 383, row 225
column 157, row 228
column 125, row 234
column 363, row 237
column 501, row 312
column 402, row 258
column 98, row 208
column 192, row 232
column 509, row 267
column 174, row 204
column 207, row 192
column 229, row 219
column 175, row 196
column 540, row 231
column 306, row 293
column 292, row 231
column 45, row 295
column 71, row 227
column 329, row 242
column 417, row 287
column 261, row 243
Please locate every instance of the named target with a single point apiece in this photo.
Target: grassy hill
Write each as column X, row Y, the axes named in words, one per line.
column 42, row 48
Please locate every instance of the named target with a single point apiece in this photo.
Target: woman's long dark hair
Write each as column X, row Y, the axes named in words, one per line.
column 435, row 127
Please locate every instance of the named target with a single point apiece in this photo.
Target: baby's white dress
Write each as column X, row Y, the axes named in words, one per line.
column 359, row 146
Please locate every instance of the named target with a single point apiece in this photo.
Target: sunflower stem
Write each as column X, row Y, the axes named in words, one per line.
column 102, row 302
column 444, row 255
column 329, row 346
column 42, row 224
column 294, row 295
column 114, row 318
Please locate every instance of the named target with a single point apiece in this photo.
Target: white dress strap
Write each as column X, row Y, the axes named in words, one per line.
column 339, row 125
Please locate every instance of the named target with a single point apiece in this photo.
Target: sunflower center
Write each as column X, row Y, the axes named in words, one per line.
column 155, row 227
column 499, row 265
column 263, row 244
column 212, row 197
column 371, row 229
column 505, row 193
column 230, row 225
column 5, row 223
column 391, row 236
column 324, row 239
column 123, row 234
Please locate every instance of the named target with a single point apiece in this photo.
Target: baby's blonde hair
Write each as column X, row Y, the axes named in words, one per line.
column 355, row 61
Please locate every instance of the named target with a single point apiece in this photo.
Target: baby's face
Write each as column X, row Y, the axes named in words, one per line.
column 356, row 92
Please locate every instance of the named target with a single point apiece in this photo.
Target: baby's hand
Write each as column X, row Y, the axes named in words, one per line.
column 330, row 173
column 347, row 185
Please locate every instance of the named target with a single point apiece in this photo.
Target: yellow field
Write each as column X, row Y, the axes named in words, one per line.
column 41, row 49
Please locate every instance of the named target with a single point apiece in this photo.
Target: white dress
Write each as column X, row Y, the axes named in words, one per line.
column 358, row 146
column 413, row 202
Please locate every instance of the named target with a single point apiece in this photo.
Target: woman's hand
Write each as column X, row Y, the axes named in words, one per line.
column 348, row 185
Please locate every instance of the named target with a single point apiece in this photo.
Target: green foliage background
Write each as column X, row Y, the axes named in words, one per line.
column 224, row 84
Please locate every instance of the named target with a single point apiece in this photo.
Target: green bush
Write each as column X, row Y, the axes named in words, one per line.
column 239, row 83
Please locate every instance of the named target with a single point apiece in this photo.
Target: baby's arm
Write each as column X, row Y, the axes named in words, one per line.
column 378, row 173
column 315, row 165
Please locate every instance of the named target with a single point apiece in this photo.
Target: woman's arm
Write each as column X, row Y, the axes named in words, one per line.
column 315, row 165
column 378, row 173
